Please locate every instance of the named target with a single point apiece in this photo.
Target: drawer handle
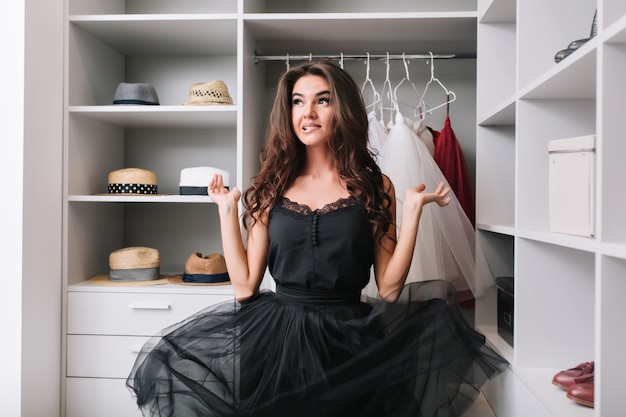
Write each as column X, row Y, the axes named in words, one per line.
column 150, row 306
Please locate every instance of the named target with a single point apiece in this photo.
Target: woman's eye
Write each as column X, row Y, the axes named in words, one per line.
column 296, row 101
column 324, row 100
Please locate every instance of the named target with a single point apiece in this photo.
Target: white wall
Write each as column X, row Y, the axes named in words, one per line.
column 31, row 40
column 42, row 212
column 12, row 116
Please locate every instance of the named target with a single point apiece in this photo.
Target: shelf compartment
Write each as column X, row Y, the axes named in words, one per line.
column 538, row 122
column 499, row 252
column 163, row 34
column 495, row 175
column 440, row 33
column 497, row 67
column 96, row 148
column 544, row 28
column 96, row 68
column 572, row 78
column 176, row 230
column 498, row 260
column 554, row 305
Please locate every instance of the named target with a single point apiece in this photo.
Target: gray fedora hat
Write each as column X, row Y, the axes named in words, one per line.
column 135, row 93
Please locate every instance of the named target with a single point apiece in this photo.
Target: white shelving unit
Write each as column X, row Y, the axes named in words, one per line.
column 170, row 45
column 567, row 288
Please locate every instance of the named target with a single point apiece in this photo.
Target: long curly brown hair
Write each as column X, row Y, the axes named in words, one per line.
column 283, row 157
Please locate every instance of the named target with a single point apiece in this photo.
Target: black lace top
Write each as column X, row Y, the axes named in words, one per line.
column 325, row 250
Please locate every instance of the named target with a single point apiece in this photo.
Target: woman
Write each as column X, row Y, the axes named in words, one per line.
column 319, row 214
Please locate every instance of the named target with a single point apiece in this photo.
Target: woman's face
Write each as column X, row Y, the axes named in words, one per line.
column 311, row 110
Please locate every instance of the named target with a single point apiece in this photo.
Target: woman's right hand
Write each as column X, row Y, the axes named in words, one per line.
column 220, row 195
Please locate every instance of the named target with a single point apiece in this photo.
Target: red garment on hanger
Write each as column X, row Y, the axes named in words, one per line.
column 449, row 156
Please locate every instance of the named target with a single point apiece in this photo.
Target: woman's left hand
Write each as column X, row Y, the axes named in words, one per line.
column 418, row 197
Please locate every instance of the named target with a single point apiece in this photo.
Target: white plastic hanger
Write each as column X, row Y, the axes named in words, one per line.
column 387, row 87
column 407, row 78
column 368, row 81
column 450, row 95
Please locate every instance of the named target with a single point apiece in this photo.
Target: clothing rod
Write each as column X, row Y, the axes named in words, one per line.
column 346, row 57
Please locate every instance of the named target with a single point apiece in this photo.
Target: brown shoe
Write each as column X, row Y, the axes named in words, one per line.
column 566, row 379
column 582, row 391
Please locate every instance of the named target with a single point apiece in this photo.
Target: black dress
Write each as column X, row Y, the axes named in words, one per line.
column 312, row 348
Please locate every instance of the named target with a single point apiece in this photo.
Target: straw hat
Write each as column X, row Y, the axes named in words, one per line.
column 132, row 266
column 208, row 94
column 207, row 270
column 132, row 181
column 195, row 180
column 135, row 93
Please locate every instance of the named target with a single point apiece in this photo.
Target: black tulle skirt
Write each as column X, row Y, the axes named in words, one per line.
column 299, row 354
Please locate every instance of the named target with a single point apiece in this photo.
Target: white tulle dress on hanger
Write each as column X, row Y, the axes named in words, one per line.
column 377, row 135
column 445, row 246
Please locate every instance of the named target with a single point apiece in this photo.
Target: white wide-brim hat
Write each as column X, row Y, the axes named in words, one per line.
column 195, row 180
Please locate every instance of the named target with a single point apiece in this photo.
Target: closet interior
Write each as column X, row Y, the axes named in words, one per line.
column 493, row 74
column 172, row 45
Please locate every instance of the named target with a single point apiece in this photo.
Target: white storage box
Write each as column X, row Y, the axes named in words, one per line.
column 572, row 185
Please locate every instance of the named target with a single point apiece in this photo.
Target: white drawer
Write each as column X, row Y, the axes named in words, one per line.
column 99, row 397
column 102, row 356
column 133, row 314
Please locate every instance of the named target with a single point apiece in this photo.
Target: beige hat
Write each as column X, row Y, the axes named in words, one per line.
column 207, row 270
column 208, row 94
column 132, row 266
column 132, row 181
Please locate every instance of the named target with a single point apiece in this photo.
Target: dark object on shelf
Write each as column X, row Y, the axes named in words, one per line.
column 136, row 93
column 567, row 378
column 562, row 54
column 594, row 24
column 506, row 293
column 574, row 45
